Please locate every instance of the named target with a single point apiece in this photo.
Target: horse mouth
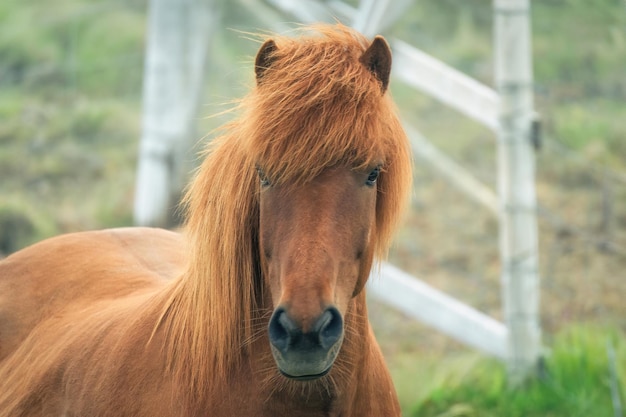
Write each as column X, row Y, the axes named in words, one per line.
column 308, row 365
column 305, row 377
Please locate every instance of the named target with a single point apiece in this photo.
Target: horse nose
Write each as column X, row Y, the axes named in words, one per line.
column 285, row 334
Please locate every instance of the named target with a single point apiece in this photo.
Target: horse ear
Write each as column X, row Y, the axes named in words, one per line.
column 264, row 59
column 377, row 59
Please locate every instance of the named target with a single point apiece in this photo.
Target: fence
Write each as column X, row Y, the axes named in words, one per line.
column 509, row 113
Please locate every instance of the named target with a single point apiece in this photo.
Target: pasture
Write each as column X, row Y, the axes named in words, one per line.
column 70, row 89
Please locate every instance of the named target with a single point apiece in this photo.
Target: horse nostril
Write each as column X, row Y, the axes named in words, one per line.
column 330, row 327
column 281, row 329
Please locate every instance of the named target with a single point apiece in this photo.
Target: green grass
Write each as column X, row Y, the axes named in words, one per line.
column 593, row 129
column 70, row 86
column 574, row 383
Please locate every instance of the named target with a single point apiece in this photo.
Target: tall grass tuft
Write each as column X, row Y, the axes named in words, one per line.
column 575, row 381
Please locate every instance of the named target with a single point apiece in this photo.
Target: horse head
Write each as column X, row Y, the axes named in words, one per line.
column 319, row 192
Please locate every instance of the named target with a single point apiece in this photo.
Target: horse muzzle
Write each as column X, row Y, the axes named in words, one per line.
column 305, row 354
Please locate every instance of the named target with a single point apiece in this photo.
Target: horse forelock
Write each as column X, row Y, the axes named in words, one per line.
column 316, row 107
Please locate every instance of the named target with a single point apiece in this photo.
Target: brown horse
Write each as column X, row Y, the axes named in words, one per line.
column 259, row 310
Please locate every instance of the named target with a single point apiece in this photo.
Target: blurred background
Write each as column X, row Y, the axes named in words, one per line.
column 71, row 79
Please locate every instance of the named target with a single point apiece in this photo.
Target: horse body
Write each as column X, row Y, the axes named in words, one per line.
column 259, row 308
column 100, row 287
column 73, row 272
column 60, row 293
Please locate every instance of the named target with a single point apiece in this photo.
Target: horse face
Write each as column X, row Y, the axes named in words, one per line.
column 316, row 250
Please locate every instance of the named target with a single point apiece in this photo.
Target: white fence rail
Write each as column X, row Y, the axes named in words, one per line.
column 451, row 171
column 437, row 309
column 446, row 84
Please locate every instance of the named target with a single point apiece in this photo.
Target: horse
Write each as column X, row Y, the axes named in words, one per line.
column 257, row 307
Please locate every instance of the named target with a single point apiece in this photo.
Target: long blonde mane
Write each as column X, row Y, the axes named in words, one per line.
column 317, row 106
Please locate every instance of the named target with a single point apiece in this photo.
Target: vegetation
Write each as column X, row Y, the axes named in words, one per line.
column 70, row 105
column 577, row 381
column 70, row 82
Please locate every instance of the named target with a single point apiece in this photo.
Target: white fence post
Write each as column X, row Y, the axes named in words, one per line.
column 369, row 15
column 516, row 165
column 173, row 78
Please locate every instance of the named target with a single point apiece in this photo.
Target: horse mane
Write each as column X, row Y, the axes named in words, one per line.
column 315, row 107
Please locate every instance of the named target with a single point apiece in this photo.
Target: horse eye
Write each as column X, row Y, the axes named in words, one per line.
column 265, row 182
column 372, row 177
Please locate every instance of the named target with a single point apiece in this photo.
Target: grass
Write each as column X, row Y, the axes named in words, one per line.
column 576, row 381
column 593, row 129
column 70, row 84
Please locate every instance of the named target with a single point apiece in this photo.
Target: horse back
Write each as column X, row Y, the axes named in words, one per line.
column 70, row 272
